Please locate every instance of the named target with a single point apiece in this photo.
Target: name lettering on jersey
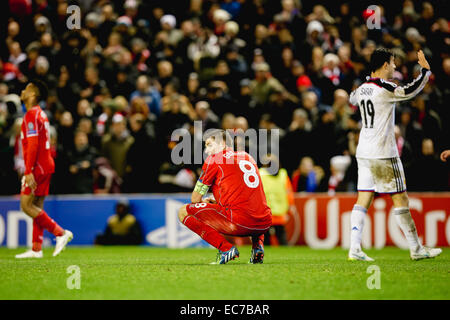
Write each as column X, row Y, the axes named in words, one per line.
column 366, row 91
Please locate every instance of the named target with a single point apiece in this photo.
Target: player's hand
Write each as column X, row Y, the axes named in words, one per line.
column 210, row 200
column 422, row 61
column 30, row 182
column 444, row 155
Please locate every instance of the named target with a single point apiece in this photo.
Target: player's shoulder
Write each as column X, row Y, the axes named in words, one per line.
column 382, row 83
column 35, row 114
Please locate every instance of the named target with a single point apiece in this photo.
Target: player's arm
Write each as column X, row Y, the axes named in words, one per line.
column 412, row 89
column 199, row 191
column 206, row 179
column 31, row 132
column 353, row 99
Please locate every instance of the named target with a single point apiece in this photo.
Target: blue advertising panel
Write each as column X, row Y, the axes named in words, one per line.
column 86, row 216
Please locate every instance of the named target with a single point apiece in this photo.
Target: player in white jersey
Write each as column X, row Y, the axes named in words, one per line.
column 379, row 166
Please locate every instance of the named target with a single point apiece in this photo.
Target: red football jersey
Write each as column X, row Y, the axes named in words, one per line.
column 36, row 142
column 236, row 184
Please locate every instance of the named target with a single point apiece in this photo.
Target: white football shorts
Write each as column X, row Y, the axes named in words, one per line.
column 381, row 175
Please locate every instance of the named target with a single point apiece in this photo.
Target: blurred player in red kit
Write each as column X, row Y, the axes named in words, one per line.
column 39, row 166
column 239, row 206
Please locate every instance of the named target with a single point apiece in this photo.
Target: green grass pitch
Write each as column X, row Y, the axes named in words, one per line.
column 156, row 273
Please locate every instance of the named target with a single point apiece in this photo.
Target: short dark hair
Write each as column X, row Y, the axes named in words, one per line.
column 42, row 90
column 378, row 58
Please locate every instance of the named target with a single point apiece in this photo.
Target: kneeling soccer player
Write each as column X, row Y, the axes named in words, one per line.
column 239, row 208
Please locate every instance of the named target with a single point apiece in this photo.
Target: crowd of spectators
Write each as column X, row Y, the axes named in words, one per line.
column 137, row 70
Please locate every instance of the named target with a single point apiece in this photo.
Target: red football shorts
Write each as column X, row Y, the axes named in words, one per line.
column 43, row 185
column 228, row 221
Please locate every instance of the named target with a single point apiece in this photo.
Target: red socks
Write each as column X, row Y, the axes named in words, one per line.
column 207, row 233
column 38, row 235
column 45, row 222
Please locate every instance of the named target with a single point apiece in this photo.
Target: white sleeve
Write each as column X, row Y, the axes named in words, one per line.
column 353, row 100
column 411, row 89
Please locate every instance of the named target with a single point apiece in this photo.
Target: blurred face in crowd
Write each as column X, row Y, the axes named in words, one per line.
column 3, row 89
column 138, row 105
column 91, row 75
column 107, row 12
column 142, row 84
column 66, row 119
column 222, row 68
column 317, row 55
column 114, row 39
column 84, row 108
column 428, row 11
column 14, row 49
column 46, row 40
column 131, row 10
column 42, row 66
column 309, row 100
column 306, row 165
column 299, row 119
column 288, row 5
column 340, row 98
column 33, row 54
column 260, row 75
column 13, row 29
column 287, row 54
column 187, row 27
column 193, row 84
column 165, row 69
column 136, row 122
column 344, row 53
column 85, row 125
column 245, row 90
column 427, row 147
column 260, row 32
column 241, row 123
column 81, row 140
column 62, row 8
column 118, row 128
column 121, row 77
column 405, row 118
column 228, row 121
column 202, row 108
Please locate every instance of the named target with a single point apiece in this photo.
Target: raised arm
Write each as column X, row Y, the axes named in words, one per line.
column 412, row 89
